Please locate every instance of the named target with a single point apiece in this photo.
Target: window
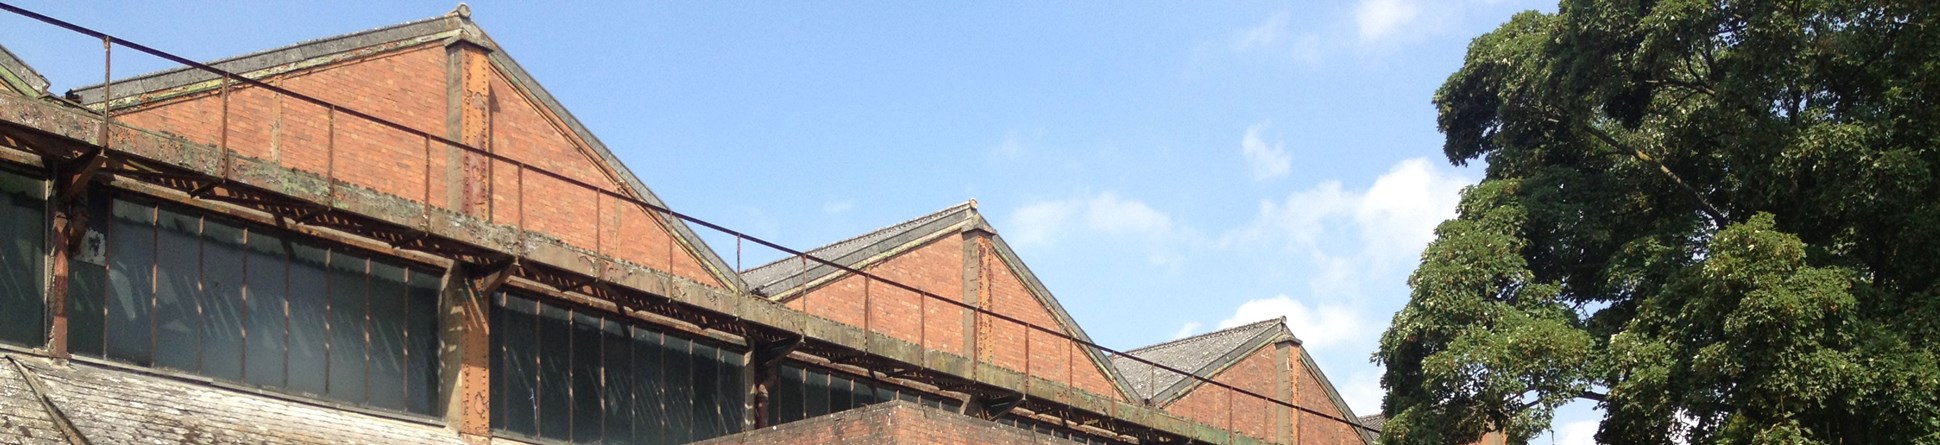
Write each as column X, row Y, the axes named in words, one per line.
column 584, row 376
column 803, row 391
column 231, row 301
column 23, row 221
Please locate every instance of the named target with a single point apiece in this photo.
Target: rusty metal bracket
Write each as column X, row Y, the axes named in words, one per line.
column 485, row 279
column 75, row 174
column 994, row 406
column 768, row 352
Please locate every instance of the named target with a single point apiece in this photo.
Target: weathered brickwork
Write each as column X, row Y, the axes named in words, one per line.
column 1240, row 412
column 1313, row 429
column 1004, row 343
column 410, row 87
column 938, row 266
column 893, row 423
column 935, row 267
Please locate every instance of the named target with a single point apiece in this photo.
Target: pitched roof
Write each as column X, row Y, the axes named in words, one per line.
column 1373, row 422
column 1203, row 355
column 15, row 74
column 453, row 26
column 788, row 273
column 104, row 404
column 790, row 277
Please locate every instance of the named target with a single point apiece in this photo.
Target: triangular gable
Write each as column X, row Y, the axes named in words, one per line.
column 786, row 279
column 1205, row 355
column 419, row 100
column 1015, row 269
column 1304, row 388
column 17, row 76
column 791, row 280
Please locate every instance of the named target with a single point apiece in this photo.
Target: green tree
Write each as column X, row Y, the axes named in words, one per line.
column 1718, row 219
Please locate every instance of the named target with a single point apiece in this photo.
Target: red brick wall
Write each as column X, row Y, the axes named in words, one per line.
column 894, row 423
column 935, row 267
column 1250, row 416
column 1314, row 429
column 1004, row 343
column 409, row 87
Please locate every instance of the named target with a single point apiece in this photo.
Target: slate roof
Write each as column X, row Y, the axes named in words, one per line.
column 1375, row 422
column 109, row 405
column 453, row 26
column 1201, row 355
column 15, row 74
column 787, row 273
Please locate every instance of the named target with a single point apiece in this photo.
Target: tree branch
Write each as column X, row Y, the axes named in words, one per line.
column 1716, row 216
column 1593, row 396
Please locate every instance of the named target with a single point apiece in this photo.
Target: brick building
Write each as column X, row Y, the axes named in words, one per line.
column 397, row 236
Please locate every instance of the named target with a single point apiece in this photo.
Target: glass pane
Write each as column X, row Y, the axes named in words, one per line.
column 519, row 363
column 131, row 278
column 268, row 283
column 818, row 393
column 617, row 354
column 734, row 396
column 707, row 392
column 387, row 296
column 786, row 396
column 555, row 376
column 649, row 368
column 23, row 224
column 309, row 300
column 499, row 367
column 349, row 289
column 587, row 415
column 86, row 292
column 884, row 393
column 222, row 300
column 679, row 368
column 421, row 344
column 841, row 395
column 178, row 246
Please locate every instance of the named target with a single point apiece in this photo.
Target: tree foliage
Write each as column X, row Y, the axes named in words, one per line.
column 1719, row 219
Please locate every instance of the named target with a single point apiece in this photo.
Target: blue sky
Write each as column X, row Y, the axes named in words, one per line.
column 1165, row 168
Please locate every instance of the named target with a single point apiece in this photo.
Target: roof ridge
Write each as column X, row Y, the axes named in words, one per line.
column 82, row 91
column 905, row 225
column 1174, row 342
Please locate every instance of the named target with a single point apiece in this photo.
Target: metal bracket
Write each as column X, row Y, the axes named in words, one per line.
column 768, row 352
column 486, row 278
column 994, row 406
column 75, row 174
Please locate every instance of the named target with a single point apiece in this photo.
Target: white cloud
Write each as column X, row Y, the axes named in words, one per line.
column 1266, row 35
column 1318, row 327
column 1105, row 213
column 1191, row 327
column 1265, row 161
column 1363, row 392
column 838, row 206
column 1276, row 37
column 1381, row 18
column 1037, row 223
column 1581, row 432
column 1399, row 213
column 1394, row 218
